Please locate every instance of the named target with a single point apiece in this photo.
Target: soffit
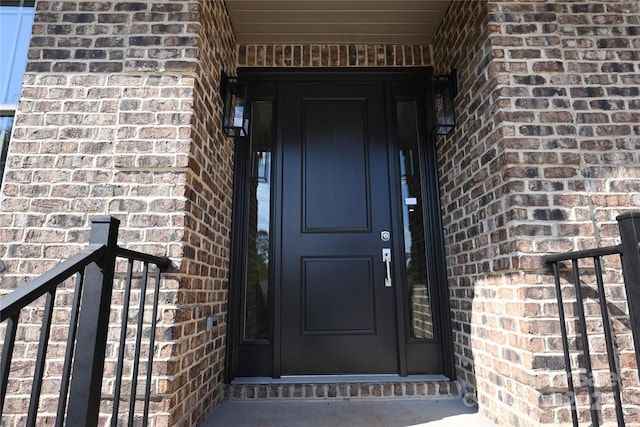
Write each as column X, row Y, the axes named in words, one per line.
column 335, row 21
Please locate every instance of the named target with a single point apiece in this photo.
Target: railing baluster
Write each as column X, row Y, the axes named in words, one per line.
column 83, row 367
column 608, row 337
column 36, row 387
column 629, row 225
column 71, row 342
column 123, row 341
column 628, row 251
column 13, row 303
column 93, row 322
column 595, row 418
column 152, row 342
column 136, row 358
column 80, row 392
column 565, row 346
column 7, row 355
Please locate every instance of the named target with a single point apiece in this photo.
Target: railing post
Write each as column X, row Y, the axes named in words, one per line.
column 86, row 381
column 629, row 225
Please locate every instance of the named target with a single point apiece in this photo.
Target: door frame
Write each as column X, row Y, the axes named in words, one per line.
column 267, row 354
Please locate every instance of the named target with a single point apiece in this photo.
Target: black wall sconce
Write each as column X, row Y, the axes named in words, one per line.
column 234, row 95
column 444, row 89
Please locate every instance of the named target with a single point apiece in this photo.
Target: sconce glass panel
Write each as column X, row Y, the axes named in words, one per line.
column 235, row 101
column 442, row 95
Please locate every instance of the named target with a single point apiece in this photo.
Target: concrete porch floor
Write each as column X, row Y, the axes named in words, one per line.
column 447, row 412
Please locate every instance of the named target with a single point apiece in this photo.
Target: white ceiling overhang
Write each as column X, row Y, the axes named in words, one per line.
column 335, row 21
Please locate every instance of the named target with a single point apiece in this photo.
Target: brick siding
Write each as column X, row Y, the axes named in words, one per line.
column 205, row 266
column 115, row 114
column 333, row 55
column 544, row 157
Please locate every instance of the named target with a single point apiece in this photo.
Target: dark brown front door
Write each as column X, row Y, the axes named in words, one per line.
column 337, row 315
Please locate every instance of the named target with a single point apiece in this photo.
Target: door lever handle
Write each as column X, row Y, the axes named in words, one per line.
column 386, row 258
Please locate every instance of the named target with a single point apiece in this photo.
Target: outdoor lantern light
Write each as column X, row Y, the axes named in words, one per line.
column 234, row 95
column 443, row 91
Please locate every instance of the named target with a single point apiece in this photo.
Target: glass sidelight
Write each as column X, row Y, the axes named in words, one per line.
column 256, row 286
column 419, row 299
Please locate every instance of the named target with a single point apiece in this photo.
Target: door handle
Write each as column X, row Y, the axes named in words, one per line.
column 386, row 258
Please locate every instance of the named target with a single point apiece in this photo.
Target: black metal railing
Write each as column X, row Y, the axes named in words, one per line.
column 82, row 372
column 629, row 252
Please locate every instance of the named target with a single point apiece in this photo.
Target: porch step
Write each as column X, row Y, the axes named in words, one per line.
column 339, row 388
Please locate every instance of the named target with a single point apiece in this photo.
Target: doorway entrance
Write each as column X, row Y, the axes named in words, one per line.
column 336, row 229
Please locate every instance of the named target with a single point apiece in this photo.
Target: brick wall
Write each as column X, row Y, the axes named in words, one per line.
column 334, row 55
column 99, row 130
column 544, row 157
column 206, row 244
column 114, row 118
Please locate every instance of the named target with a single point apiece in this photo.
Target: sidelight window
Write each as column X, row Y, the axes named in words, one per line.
column 419, row 299
column 256, row 288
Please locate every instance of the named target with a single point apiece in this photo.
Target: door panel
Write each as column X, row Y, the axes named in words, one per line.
column 337, row 315
column 323, row 280
column 334, row 135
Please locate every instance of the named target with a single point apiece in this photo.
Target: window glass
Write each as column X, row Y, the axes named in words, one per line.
column 419, row 304
column 256, row 289
column 5, row 133
column 16, row 20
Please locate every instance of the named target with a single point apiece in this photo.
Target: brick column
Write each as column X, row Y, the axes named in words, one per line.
column 545, row 155
column 120, row 114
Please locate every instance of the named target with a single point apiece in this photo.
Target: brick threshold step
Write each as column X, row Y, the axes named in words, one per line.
column 342, row 387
